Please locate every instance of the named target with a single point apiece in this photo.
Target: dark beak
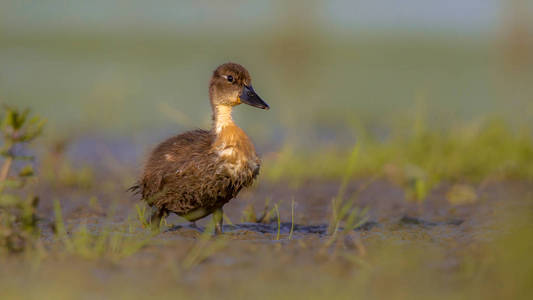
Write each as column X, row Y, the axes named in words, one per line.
column 249, row 97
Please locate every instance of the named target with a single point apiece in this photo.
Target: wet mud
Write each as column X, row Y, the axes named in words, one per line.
column 387, row 210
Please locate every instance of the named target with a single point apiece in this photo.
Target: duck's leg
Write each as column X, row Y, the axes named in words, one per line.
column 218, row 218
column 157, row 216
column 195, row 226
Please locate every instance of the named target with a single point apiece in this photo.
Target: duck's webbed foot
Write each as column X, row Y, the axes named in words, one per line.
column 218, row 219
column 158, row 215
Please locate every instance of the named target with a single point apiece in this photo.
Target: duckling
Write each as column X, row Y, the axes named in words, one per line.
column 196, row 173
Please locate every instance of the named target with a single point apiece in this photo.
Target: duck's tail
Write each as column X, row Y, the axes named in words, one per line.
column 135, row 189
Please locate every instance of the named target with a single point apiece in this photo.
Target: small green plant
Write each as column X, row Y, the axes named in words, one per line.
column 112, row 243
column 339, row 211
column 18, row 220
column 204, row 248
column 343, row 211
column 347, row 213
column 278, row 217
column 292, row 219
column 141, row 215
column 58, row 170
column 249, row 216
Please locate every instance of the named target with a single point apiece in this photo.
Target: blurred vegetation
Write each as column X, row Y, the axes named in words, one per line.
column 58, row 170
column 417, row 159
column 314, row 82
column 18, row 218
column 341, row 111
column 110, row 242
column 382, row 269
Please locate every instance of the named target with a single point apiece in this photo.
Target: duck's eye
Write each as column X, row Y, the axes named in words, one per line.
column 229, row 78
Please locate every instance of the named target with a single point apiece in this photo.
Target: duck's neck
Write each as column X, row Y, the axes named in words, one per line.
column 222, row 118
column 230, row 140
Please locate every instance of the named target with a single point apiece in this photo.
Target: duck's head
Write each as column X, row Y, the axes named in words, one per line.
column 231, row 85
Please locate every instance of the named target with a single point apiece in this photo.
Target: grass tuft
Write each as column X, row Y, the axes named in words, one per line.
column 417, row 160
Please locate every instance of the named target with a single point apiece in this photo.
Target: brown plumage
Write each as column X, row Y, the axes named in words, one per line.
column 195, row 173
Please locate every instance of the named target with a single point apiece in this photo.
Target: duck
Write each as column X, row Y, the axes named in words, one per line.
column 194, row 174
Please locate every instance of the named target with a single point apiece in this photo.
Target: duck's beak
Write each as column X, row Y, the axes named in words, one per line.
column 250, row 97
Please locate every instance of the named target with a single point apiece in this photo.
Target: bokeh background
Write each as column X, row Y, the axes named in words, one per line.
column 137, row 68
column 398, row 148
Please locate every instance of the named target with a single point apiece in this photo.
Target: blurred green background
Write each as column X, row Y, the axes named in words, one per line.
column 138, row 67
column 402, row 107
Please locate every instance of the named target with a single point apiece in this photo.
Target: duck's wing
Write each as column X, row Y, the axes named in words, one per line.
column 172, row 157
